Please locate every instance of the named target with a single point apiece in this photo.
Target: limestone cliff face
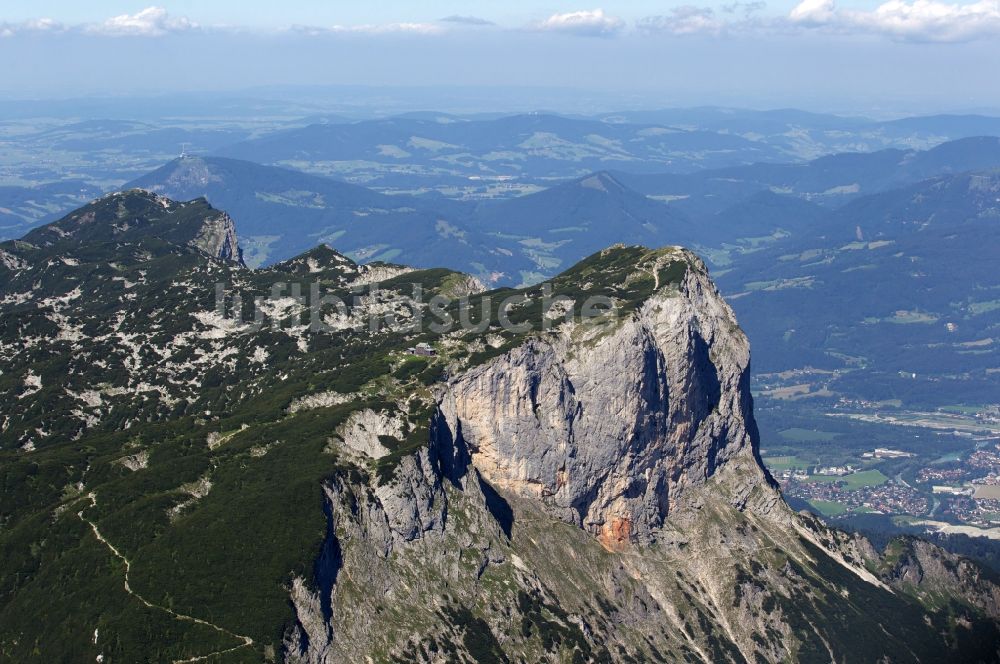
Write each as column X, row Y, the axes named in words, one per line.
column 596, row 494
column 217, row 237
column 919, row 564
column 608, row 424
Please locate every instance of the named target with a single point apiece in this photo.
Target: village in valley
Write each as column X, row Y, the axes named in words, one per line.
column 943, row 475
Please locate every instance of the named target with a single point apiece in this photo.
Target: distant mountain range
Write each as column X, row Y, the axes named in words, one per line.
column 475, row 157
column 441, row 151
column 903, row 282
column 798, row 130
column 549, row 230
column 537, row 146
column 22, row 208
column 820, row 257
column 281, row 212
column 830, row 181
column 127, row 136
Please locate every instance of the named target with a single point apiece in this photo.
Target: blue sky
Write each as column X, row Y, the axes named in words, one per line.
column 365, row 12
column 315, row 12
column 931, row 54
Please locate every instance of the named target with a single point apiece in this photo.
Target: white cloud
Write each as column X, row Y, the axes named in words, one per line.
column 373, row 29
column 813, row 12
column 34, row 25
column 593, row 23
column 467, row 20
column 746, row 8
column 150, row 22
column 157, row 22
column 733, row 18
column 901, row 20
column 684, row 20
column 919, row 20
column 44, row 25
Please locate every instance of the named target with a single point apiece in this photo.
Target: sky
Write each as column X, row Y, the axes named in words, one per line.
column 905, row 55
column 361, row 12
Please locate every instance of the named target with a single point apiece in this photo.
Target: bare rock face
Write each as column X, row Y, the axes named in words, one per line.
column 414, row 503
column 608, row 424
column 362, row 430
column 217, row 238
column 634, row 434
column 191, row 174
column 916, row 563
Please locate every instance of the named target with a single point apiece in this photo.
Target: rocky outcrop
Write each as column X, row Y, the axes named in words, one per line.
column 364, row 429
column 373, row 273
column 373, row 521
column 190, row 175
column 606, row 425
column 11, row 262
column 915, row 565
column 217, row 237
column 413, row 502
column 596, row 494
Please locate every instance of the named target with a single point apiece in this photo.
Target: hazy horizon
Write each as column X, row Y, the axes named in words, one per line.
column 359, row 102
column 860, row 57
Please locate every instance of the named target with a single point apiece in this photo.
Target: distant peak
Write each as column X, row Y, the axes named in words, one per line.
column 139, row 215
column 320, row 258
column 136, row 194
column 190, row 174
column 601, row 181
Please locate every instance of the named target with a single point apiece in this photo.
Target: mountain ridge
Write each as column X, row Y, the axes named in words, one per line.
column 456, row 504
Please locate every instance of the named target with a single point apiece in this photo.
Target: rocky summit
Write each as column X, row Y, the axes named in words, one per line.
column 322, row 462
